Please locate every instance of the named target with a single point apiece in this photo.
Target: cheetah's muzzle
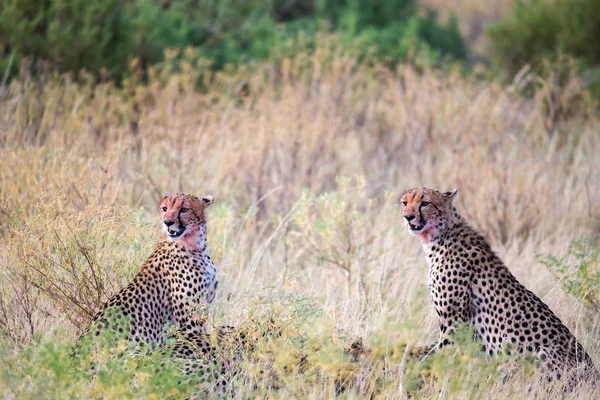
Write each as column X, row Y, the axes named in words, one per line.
column 174, row 234
column 416, row 228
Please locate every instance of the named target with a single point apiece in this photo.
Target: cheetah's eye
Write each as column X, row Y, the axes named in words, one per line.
column 183, row 209
column 404, row 203
column 425, row 203
column 164, row 209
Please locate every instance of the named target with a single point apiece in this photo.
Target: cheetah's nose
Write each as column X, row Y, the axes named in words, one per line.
column 409, row 217
column 169, row 222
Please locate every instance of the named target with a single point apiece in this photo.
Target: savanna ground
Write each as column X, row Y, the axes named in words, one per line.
column 306, row 158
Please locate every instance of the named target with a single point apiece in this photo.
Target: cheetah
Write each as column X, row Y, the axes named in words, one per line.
column 468, row 283
column 178, row 279
column 174, row 287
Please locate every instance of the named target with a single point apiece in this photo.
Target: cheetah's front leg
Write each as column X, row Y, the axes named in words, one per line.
column 452, row 308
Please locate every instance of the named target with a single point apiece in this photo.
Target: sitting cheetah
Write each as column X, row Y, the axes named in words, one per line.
column 178, row 279
column 469, row 283
column 174, row 286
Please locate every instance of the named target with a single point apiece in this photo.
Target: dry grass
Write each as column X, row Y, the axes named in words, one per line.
column 305, row 160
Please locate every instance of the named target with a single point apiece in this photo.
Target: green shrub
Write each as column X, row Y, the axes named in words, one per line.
column 537, row 30
column 103, row 36
column 464, row 367
column 390, row 30
column 107, row 366
column 579, row 272
column 100, row 36
column 394, row 28
column 49, row 369
column 69, row 34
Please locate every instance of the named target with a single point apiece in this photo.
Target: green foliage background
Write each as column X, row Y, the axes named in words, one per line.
column 103, row 36
column 536, row 32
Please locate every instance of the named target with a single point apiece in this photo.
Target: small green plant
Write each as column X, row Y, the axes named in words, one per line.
column 338, row 234
column 579, row 271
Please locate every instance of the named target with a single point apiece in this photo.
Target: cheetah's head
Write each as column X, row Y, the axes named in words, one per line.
column 182, row 214
column 427, row 212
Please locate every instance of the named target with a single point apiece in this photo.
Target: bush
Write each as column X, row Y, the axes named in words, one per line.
column 67, row 264
column 103, row 36
column 537, row 30
column 579, row 272
column 393, row 28
column 100, row 36
column 48, row 369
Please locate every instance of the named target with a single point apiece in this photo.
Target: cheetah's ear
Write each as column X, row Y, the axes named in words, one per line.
column 168, row 194
column 449, row 195
column 208, row 200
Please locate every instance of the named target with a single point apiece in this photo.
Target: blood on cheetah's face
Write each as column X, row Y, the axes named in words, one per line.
column 426, row 211
column 182, row 214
